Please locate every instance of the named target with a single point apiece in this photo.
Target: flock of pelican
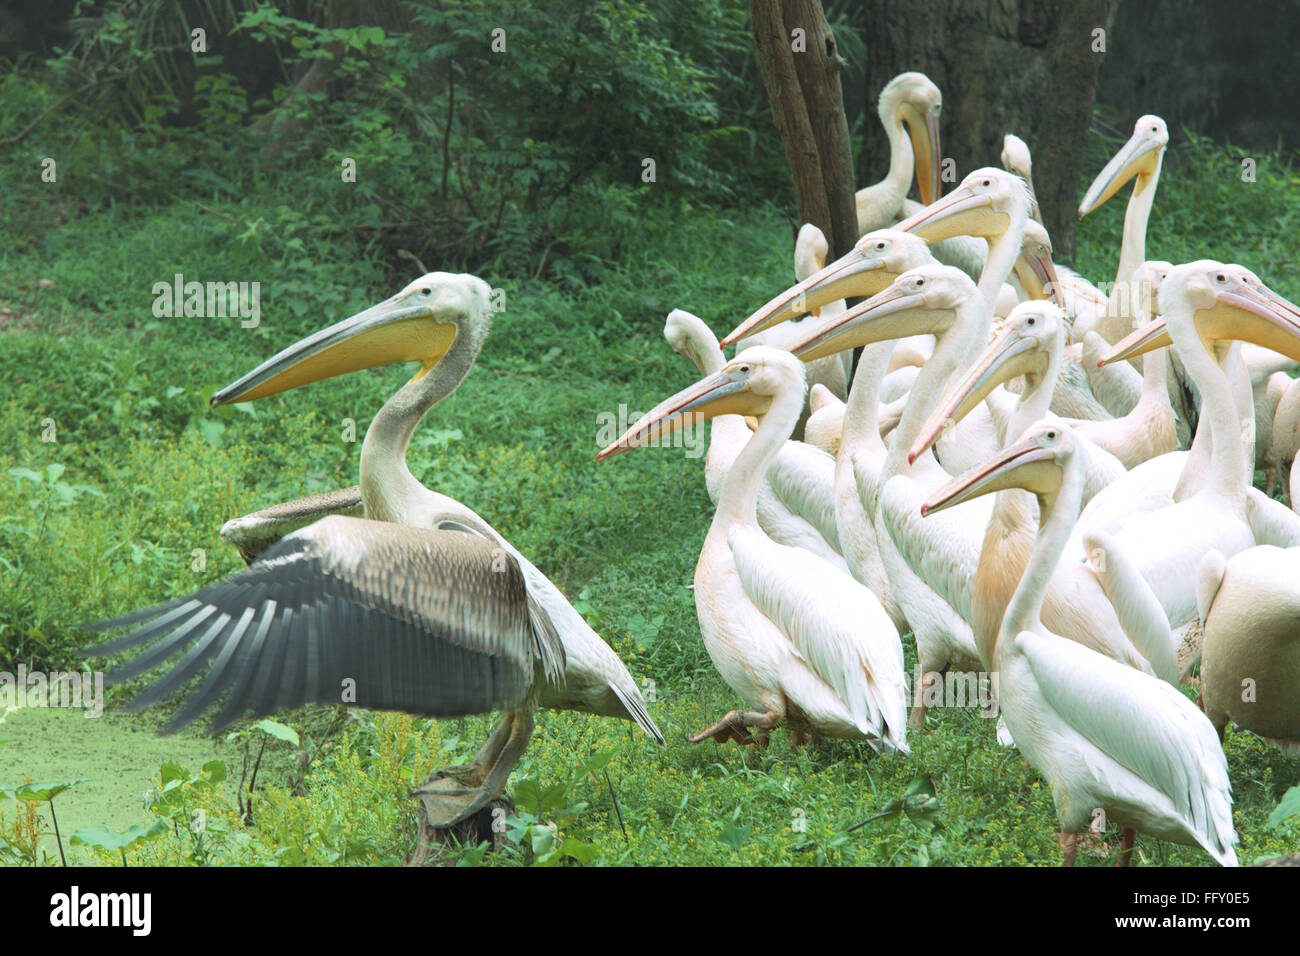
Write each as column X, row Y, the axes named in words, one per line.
column 1039, row 482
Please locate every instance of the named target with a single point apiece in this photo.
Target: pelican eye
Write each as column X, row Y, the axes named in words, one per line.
column 1051, row 436
column 881, row 244
column 1220, row 278
column 988, row 182
column 426, row 292
column 743, row 368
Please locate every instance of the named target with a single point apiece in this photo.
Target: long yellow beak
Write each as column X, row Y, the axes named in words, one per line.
column 1245, row 312
column 1139, row 156
column 404, row 328
column 1154, row 335
column 1025, row 464
column 962, row 212
column 861, row 272
column 1013, row 353
column 726, row 392
column 924, row 132
column 891, row 314
column 1256, row 314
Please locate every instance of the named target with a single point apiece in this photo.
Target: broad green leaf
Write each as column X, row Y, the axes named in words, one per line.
column 45, row 791
column 106, row 839
column 1289, row 807
column 278, row 730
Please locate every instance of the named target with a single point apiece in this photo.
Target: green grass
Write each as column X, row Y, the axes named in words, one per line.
column 148, row 475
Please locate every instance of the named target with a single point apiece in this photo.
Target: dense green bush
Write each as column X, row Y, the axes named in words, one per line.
column 480, row 134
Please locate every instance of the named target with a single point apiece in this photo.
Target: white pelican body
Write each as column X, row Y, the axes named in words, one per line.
column 1105, row 736
column 795, row 499
column 1168, row 544
column 1250, row 659
column 914, row 100
column 800, row 641
column 417, row 576
column 1132, row 631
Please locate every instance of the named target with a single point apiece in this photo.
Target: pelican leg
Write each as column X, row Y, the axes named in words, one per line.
column 451, row 796
column 1069, row 847
column 486, row 756
column 916, row 719
column 520, row 733
column 734, row 727
column 1126, row 841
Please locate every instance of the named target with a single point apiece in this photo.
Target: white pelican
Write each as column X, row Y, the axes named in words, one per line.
column 797, row 639
column 414, row 569
column 877, row 259
column 1133, row 631
column 1200, row 301
column 796, row 503
column 1105, row 736
column 1140, row 159
column 1250, row 657
column 910, row 104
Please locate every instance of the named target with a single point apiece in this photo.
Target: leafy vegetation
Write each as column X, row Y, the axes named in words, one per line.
column 116, row 476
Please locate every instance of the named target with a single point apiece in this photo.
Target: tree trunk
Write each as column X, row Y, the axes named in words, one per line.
column 1026, row 67
column 801, row 72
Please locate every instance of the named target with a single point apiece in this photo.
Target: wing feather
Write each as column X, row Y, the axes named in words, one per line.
column 437, row 623
column 835, row 624
column 1143, row 724
column 803, row 477
column 942, row 549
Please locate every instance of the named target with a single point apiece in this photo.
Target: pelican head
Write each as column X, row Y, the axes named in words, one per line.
column 686, row 335
column 986, row 203
column 1140, row 156
column 810, row 251
column 913, row 99
column 746, row 385
column 1036, row 463
column 875, row 260
column 922, row 300
column 1030, row 345
column 1016, row 158
column 1226, row 302
column 1034, row 267
column 419, row 324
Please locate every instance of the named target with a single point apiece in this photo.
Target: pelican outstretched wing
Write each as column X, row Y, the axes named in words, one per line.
column 346, row 610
